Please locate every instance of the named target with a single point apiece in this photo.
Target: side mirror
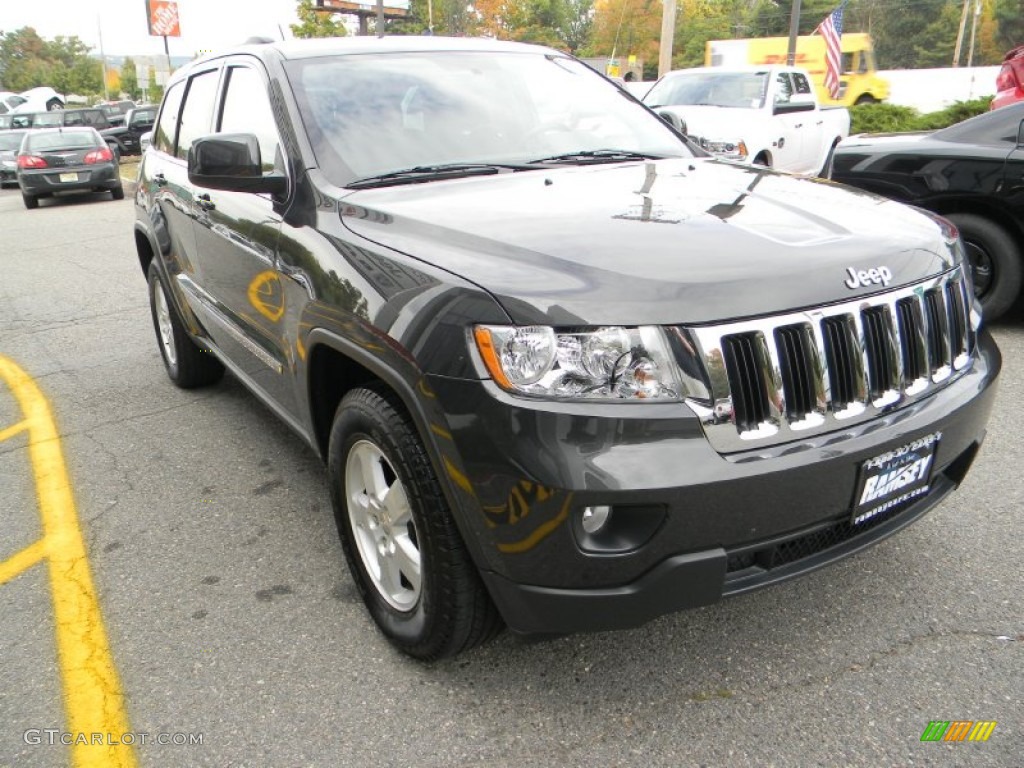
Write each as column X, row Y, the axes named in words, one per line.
column 674, row 120
column 145, row 140
column 231, row 162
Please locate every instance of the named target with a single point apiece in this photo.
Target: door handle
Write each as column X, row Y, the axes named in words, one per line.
column 203, row 201
column 160, row 179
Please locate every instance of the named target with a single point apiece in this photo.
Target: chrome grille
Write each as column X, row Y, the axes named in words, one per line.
column 780, row 378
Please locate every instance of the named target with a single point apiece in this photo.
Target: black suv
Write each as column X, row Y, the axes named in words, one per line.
column 565, row 370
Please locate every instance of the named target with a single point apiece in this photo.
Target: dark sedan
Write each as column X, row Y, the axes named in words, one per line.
column 66, row 160
column 973, row 174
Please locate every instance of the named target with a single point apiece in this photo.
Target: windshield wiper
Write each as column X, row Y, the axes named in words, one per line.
column 421, row 173
column 596, row 156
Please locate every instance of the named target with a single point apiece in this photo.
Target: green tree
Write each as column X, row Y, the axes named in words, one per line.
column 313, row 23
column 155, row 92
column 935, row 44
column 23, row 62
column 1009, row 17
column 130, row 79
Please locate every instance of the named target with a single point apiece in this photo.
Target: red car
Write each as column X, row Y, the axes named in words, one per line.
column 1010, row 81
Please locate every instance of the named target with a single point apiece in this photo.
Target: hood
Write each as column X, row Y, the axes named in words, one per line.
column 715, row 123
column 662, row 242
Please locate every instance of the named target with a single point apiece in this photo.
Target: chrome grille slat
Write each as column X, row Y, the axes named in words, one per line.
column 809, row 372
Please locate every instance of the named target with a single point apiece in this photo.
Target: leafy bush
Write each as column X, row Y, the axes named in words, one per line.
column 892, row 118
column 881, row 118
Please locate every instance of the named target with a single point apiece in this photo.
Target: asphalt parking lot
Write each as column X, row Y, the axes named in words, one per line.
column 208, row 601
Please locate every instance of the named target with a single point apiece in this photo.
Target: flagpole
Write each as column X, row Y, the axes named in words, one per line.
column 794, row 29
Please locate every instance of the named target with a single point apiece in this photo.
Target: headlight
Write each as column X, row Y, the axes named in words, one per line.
column 734, row 149
column 612, row 363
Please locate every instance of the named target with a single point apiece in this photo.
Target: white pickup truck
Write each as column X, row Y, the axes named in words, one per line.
column 761, row 115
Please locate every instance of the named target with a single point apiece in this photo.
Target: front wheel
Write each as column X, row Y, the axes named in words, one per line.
column 995, row 262
column 54, row 104
column 402, row 546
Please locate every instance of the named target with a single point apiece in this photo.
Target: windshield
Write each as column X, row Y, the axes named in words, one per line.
column 10, row 140
column 716, row 89
column 368, row 115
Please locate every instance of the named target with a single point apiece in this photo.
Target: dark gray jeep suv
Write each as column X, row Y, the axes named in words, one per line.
column 566, row 371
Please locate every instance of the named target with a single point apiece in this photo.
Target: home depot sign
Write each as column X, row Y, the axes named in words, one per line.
column 163, row 18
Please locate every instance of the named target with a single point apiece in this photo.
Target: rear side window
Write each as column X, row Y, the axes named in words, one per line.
column 802, row 86
column 197, row 113
column 163, row 139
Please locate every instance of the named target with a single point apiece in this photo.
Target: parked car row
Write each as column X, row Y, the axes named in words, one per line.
column 123, row 139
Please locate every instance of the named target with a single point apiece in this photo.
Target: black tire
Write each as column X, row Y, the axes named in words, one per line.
column 995, row 262
column 187, row 365
column 31, row 201
column 115, row 150
column 449, row 611
column 762, row 160
column 117, row 193
column 54, row 104
column 866, row 98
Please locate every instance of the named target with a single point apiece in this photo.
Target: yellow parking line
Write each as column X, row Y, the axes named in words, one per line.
column 22, row 561
column 13, row 430
column 92, row 692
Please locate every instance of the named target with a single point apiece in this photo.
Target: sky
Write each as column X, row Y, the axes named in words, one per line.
column 205, row 24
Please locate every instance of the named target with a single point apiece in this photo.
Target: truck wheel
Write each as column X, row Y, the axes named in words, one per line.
column 54, row 104
column 866, row 98
column 115, row 151
column 187, row 365
column 995, row 262
column 401, row 544
column 762, row 159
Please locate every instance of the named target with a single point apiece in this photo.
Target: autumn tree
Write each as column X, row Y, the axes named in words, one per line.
column 314, row 23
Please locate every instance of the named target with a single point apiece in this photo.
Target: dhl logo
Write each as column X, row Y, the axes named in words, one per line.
column 958, row 730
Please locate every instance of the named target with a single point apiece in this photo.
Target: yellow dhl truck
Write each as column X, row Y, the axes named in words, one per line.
column 859, row 82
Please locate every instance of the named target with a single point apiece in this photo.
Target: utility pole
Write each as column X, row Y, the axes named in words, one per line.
column 380, row 18
column 974, row 31
column 103, row 58
column 960, row 34
column 668, row 33
column 794, row 29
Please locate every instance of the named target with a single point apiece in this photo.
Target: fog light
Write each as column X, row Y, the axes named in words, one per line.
column 594, row 518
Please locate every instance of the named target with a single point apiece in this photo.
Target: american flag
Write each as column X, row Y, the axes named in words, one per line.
column 832, row 30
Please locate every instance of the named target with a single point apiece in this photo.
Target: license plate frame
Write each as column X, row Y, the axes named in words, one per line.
column 894, row 477
column 68, row 177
